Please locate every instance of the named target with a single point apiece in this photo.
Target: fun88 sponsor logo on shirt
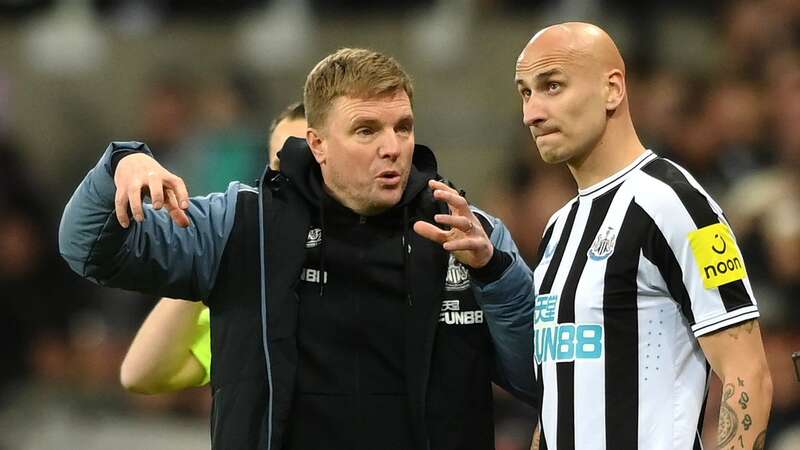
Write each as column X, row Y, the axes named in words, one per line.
column 562, row 341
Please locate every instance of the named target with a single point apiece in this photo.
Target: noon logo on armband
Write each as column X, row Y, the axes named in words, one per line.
column 561, row 342
column 717, row 256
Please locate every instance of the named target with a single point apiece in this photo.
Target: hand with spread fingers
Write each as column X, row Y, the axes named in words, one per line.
column 465, row 239
column 138, row 174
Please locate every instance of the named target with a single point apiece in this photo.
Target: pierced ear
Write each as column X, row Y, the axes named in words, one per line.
column 315, row 143
column 616, row 90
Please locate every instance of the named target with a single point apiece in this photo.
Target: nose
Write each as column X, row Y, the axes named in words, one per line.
column 533, row 114
column 389, row 146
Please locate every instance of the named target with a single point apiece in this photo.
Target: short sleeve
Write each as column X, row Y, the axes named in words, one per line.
column 704, row 266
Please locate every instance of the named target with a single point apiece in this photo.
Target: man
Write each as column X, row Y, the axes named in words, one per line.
column 639, row 282
column 333, row 325
column 172, row 349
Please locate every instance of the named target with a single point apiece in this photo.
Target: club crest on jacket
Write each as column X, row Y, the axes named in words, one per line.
column 314, row 237
column 457, row 276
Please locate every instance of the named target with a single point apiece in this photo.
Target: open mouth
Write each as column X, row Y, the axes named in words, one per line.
column 389, row 177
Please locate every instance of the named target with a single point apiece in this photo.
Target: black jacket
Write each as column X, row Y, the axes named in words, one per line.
column 244, row 254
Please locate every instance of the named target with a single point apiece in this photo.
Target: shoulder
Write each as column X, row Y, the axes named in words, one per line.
column 668, row 192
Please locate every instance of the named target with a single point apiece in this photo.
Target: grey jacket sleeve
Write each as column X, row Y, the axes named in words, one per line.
column 508, row 308
column 154, row 256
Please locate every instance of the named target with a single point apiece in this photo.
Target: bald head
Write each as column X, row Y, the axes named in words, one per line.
column 571, row 78
column 579, row 43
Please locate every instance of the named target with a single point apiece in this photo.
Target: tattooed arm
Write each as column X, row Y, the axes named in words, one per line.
column 737, row 356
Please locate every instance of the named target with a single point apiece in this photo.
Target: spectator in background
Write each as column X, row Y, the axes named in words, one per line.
column 34, row 331
column 222, row 146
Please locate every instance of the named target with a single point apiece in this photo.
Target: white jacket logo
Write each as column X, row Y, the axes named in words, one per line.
column 457, row 276
column 314, row 237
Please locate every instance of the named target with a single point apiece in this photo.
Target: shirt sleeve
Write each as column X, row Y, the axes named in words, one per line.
column 696, row 252
column 201, row 347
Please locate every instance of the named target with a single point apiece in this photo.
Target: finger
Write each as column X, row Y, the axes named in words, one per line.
column 462, row 223
column 179, row 187
column 454, row 201
column 464, row 244
column 180, row 217
column 156, row 190
column 121, row 208
column 441, row 186
column 135, row 202
column 177, row 214
column 430, row 232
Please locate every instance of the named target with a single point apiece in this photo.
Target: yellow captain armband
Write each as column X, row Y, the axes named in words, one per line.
column 717, row 255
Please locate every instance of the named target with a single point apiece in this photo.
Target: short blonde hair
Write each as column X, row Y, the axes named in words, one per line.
column 352, row 72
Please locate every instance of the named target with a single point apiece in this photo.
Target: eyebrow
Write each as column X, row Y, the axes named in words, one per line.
column 539, row 77
column 375, row 123
column 548, row 74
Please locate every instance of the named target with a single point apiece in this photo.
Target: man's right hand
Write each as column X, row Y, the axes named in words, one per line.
column 138, row 174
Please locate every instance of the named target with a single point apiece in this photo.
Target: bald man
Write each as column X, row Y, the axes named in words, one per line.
column 639, row 282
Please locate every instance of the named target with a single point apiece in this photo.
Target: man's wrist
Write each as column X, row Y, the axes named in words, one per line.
column 117, row 157
column 120, row 150
column 494, row 269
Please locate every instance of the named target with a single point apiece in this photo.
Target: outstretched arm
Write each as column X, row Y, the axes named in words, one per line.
column 737, row 356
column 172, row 248
column 160, row 359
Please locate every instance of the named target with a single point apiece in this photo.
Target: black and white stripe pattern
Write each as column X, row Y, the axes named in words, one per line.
column 619, row 308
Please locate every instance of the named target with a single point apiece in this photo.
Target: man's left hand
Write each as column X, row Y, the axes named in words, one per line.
column 465, row 239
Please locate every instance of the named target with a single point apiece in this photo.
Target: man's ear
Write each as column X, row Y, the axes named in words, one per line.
column 615, row 83
column 316, row 144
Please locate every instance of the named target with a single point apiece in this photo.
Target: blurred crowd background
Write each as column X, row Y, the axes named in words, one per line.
column 714, row 85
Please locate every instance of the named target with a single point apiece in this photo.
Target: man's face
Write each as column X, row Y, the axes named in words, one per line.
column 285, row 129
column 562, row 101
column 364, row 149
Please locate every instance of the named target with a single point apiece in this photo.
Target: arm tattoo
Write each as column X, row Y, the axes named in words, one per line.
column 761, row 441
column 728, row 421
column 747, row 326
column 743, row 399
column 747, row 422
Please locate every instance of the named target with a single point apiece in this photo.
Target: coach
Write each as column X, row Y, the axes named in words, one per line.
column 333, row 324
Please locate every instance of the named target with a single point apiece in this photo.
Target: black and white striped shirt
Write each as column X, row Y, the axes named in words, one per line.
column 629, row 274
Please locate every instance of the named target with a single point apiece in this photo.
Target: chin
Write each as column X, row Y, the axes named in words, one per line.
column 551, row 156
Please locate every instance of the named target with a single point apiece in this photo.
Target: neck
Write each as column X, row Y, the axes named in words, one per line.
column 610, row 155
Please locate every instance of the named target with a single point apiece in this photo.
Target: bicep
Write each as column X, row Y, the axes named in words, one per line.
column 733, row 348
